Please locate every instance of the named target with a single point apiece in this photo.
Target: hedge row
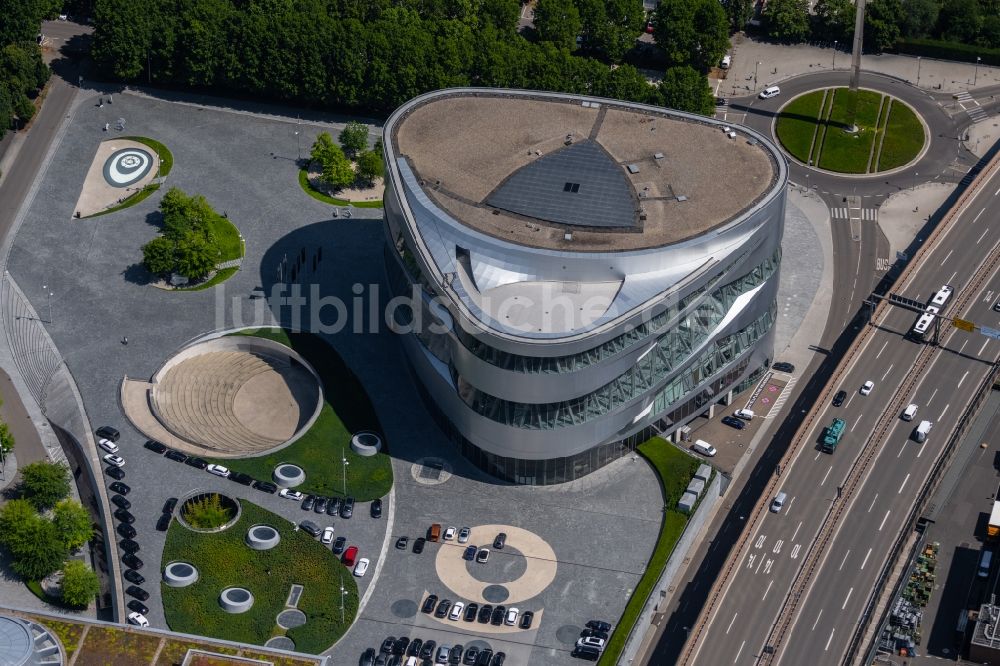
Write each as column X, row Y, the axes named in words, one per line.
column 934, row 48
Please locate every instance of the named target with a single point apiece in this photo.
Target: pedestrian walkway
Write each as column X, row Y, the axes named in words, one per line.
column 971, row 106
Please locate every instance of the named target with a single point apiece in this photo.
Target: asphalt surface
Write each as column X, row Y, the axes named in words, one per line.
column 754, row 595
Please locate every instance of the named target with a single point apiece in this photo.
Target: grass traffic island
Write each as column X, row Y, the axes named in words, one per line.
column 308, row 188
column 813, row 128
column 675, row 469
column 224, row 560
column 346, row 411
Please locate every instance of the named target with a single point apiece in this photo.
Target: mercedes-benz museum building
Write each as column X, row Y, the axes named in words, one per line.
column 573, row 274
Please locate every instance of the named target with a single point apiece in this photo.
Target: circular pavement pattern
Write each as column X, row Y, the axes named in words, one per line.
column 127, row 166
column 495, row 594
column 404, row 608
column 280, row 643
column 293, row 617
column 510, row 567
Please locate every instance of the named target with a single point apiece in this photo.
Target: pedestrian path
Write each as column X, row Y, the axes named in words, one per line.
column 971, row 106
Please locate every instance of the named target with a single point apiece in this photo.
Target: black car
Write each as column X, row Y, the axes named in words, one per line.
column 471, row 655
column 368, row 658
column 347, row 508
column 526, row 619
column 133, row 576
column 485, row 613
column 163, row 523
column 121, row 502
column 414, row 648
column 443, row 608
column 497, row 617
column 498, row 659
column 129, row 546
column 418, row 545
column 839, row 399
column 126, row 531
column 399, row 647
column 387, row 644
column 470, row 611
column 131, row 561
column 484, row 657
column 734, row 422
column 594, row 633
column 107, row 432
column 155, row 446
column 427, row 651
column 339, row 544
column 402, row 542
column 377, row 508
column 320, row 505
column 599, row 625
column 137, row 592
column 170, row 505
column 782, row 366
column 138, row 607
column 470, row 553
column 429, row 603
column 116, row 473
column 586, row 652
column 266, row 486
column 394, row 660
column 455, row 656
column 176, row 456
column 241, row 478
column 311, row 528
column 500, row 541
column 333, row 506
column 124, row 516
column 120, row 488
column 196, row 462
column 307, row 503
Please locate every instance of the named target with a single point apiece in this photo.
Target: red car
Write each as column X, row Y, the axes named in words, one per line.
column 349, row 556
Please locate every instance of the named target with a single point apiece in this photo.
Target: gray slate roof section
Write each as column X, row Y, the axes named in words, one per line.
column 602, row 197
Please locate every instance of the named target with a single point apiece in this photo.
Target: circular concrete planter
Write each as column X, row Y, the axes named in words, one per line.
column 366, row 444
column 262, row 537
column 236, row 600
column 226, row 501
column 287, row 475
column 179, row 574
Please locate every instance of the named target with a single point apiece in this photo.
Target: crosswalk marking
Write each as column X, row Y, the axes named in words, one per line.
column 781, row 399
column 971, row 106
column 845, row 213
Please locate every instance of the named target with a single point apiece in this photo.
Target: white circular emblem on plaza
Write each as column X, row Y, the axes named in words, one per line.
column 127, row 166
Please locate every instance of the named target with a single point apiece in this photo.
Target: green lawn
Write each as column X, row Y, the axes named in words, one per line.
column 797, row 124
column 224, row 560
column 347, row 410
column 166, row 157
column 848, row 152
column 333, row 201
column 904, row 137
column 130, row 201
column 218, row 278
column 227, row 237
column 675, row 469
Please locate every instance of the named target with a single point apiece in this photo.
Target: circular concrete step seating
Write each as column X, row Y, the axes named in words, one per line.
column 196, row 400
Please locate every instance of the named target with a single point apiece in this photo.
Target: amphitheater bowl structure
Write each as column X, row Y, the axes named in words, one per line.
column 366, row 443
column 288, row 475
column 180, row 574
column 262, row 537
column 226, row 397
column 236, row 600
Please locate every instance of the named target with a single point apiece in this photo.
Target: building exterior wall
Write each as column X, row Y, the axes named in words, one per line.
column 543, row 409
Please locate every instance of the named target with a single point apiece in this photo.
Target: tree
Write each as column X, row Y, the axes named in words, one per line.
column 17, row 524
column 500, row 14
column 611, row 26
column 370, row 166
column 882, row 21
column 354, row 137
column 123, row 37
column 691, row 32
column 335, row 168
column 73, row 523
column 6, row 439
column 787, row 20
column 739, row 13
column 158, row 255
column 685, row 89
column 835, row 21
column 44, row 483
column 960, row 20
column 558, row 22
column 42, row 554
column 79, row 584
column 919, row 17
column 195, row 255
column 989, row 35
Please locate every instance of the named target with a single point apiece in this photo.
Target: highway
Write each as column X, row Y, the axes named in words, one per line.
column 740, row 622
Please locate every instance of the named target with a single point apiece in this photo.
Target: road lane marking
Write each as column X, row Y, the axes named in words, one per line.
column 984, row 234
column 884, row 519
column 790, row 503
column 760, row 541
column 777, row 546
column 738, row 652
column 996, row 193
column 866, row 559
column 759, row 565
column 952, row 278
column 795, row 533
column 887, row 372
column 795, row 552
column 962, row 348
column 849, row 593
column 843, row 560
column 767, row 567
column 817, row 456
column 826, row 475
column 947, row 256
column 932, row 396
column 750, row 560
column 963, row 377
column 980, row 214
column 921, row 448
column 767, row 590
column 731, row 623
column 817, row 619
column 945, row 408
column 884, row 345
column 829, row 640
column 986, row 342
column 902, row 448
column 873, row 503
column 903, row 484
column 858, row 420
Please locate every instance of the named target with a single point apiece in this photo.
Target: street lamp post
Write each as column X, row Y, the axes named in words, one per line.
column 48, row 298
column 834, row 55
column 343, row 459
column 918, row 71
column 915, row 174
column 342, row 592
column 756, row 65
column 298, row 141
column 975, row 76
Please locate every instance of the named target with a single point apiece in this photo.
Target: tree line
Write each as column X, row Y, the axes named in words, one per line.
column 373, row 55
column 22, row 72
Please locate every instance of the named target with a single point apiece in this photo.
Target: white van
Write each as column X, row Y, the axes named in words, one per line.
column 745, row 414
column 984, row 564
column 704, row 448
column 924, row 429
column 778, row 503
column 727, row 60
column 909, row 412
column 769, row 92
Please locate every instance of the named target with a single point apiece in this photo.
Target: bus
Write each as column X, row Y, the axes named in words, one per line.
column 936, row 305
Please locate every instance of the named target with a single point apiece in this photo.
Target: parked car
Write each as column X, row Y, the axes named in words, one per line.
column 429, row 604
column 484, row 657
column 288, row 493
column 598, row 625
column 124, row 516
column 471, row 611
column 120, row 488
column 319, row 506
column 782, row 366
column 526, row 619
column 470, row 553
column 511, row 619
column 115, row 472
column 107, row 432
column 338, row 545
column 376, row 508
column 442, row 654
column 266, row 486
column 108, row 445
column 176, row 456
column 734, row 422
column 217, row 470
column 170, row 505
column 333, row 506
column 137, row 592
column 418, row 545
column 399, row 647
column 112, row 459
column 138, row 606
column 131, row 561
column 163, row 523
column 442, row 609
column 485, row 613
column 129, row 545
column 347, row 508
column 449, row 533
column 349, row 556
column 414, row 649
column 138, row 619
column 471, row 655
column 402, row 542
column 121, row 502
column 327, row 537
column 197, row 463
column 483, row 556
column 456, row 610
column 496, row 619
column 591, row 641
column 368, row 658
column 126, row 531
column 463, row 535
column 310, row 528
column 133, row 576
column 427, row 651
column 155, row 446
column 500, row 540
column 361, row 568
column 387, row 645
column 241, row 478
column 307, row 503
column 455, row 656
column 839, row 399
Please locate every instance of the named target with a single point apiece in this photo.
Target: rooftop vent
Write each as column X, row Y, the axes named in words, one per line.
column 568, row 236
column 657, row 156
column 681, row 197
column 571, row 187
column 633, row 168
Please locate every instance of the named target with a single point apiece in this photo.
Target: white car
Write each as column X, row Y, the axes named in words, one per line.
column 112, row 459
column 456, row 610
column 511, row 618
column 327, row 535
column 463, row 535
column 449, row 533
column 483, row 556
column 288, row 493
column 590, row 641
column 867, row 387
column 769, row 92
column 218, row 470
column 361, row 568
column 107, row 445
column 138, row 619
